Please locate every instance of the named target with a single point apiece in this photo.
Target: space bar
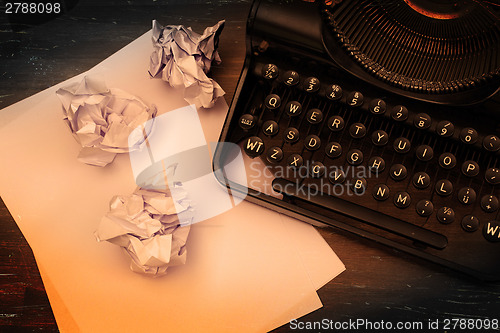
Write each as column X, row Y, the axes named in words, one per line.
column 363, row 214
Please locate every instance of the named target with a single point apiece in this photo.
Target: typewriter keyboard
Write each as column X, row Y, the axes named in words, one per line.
column 423, row 173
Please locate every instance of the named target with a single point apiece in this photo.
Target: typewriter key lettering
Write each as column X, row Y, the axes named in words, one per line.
column 445, row 128
column 424, row 153
column 445, row 215
column 291, row 78
column 402, row 145
column 295, row 160
column 333, row 149
column 314, row 116
column 470, row 223
column 270, row 71
column 402, row 200
column 377, row 106
column 355, row 157
column 398, row 172
column 381, row 192
column 468, row 135
column 422, row 121
column 293, row 108
column 424, row 208
column 466, row 195
column 292, row 135
column 491, row 143
column 447, row 161
column 470, row 168
column 491, row 231
column 357, row 130
column 444, row 187
column 421, row 180
column 312, row 142
column 254, row 146
column 492, row 176
column 489, row 203
column 273, row 102
column 399, row 113
column 312, row 84
column 337, row 176
column 355, row 99
column 336, row 123
column 334, row 92
column 275, row 154
column 380, row 138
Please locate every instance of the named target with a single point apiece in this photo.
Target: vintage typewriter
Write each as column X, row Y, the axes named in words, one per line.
column 381, row 118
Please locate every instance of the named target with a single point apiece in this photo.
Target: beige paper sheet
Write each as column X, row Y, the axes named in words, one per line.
column 249, row 269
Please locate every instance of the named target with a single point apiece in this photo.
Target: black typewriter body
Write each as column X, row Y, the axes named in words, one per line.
column 381, row 140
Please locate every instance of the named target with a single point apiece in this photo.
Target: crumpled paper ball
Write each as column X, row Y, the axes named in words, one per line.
column 146, row 225
column 184, row 57
column 102, row 119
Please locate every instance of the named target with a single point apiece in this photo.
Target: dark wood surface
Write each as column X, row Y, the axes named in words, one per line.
column 380, row 284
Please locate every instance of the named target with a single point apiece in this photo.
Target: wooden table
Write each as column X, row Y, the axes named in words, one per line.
column 380, row 284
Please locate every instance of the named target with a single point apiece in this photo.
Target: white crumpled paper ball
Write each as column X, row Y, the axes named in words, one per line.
column 183, row 58
column 102, row 119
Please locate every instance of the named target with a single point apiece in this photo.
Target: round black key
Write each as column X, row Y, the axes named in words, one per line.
column 402, row 200
column 489, row 203
column 399, row 113
column 270, row 71
column 291, row 135
column 466, row 195
column 468, row 135
column 421, row 180
column 444, row 187
column 247, row 121
column 376, row 164
column 314, row 116
column 470, row 223
column 291, row 78
column 295, row 160
column 270, row 128
column 334, row 92
column 357, row 130
column 491, row 231
column 254, row 146
column 312, row 142
column 293, row 108
column 336, row 123
column 424, row 153
column 274, row 154
column 447, row 161
column 311, row 84
column 470, row 168
column 377, row 106
column 492, row 176
column 380, row 192
column 359, row 185
column 402, row 145
column 380, row 138
column 398, row 172
column 422, row 121
column 354, row 157
column 333, row 149
column 272, row 101
column 445, row 128
column 445, row 215
column 336, row 176
column 424, row 208
column 491, row 143
column 317, row 169
column 355, row 99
